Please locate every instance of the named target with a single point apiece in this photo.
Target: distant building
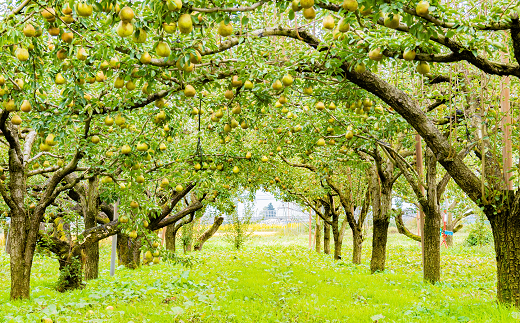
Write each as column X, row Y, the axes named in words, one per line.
column 268, row 211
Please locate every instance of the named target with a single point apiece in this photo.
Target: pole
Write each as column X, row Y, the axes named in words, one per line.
column 419, row 166
column 114, row 244
column 310, row 229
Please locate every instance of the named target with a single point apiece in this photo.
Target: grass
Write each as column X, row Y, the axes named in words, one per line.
column 274, row 279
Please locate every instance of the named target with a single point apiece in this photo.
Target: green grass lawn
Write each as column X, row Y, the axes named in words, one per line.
column 274, row 279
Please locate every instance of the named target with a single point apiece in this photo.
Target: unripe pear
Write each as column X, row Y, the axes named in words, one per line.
column 125, row 29
column 409, row 55
column 248, row 85
column 67, row 37
column 82, row 54
column 163, row 49
column 350, row 5
column 185, row 24
column 306, row 3
column 189, row 91
column 309, row 13
column 146, row 58
column 328, row 22
column 422, row 8
column 126, row 14
column 84, row 10
column 169, row 28
column 119, row 82
column 375, row 54
column 22, row 54
column 29, row 30
column 26, row 106
column 393, row 21
column 225, row 30
column 139, row 36
column 174, row 5
column 423, row 68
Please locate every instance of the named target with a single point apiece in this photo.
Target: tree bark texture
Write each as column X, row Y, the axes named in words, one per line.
column 318, row 234
column 217, row 222
column 91, row 212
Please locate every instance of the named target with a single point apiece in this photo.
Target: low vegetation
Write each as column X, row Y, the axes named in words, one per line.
column 272, row 279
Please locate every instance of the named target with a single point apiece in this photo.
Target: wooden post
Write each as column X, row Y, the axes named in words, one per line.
column 419, row 166
column 310, row 230
column 505, row 109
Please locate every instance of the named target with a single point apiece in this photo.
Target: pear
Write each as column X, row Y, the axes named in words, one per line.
column 139, row 36
column 343, row 26
column 61, row 54
column 350, row 5
column 235, row 82
column 375, row 54
column 49, row 140
column 360, row 68
column 277, row 85
column 95, row 139
column 54, row 31
column 295, row 5
column 82, row 54
column 66, row 10
column 139, row 179
column 114, row 62
column 309, row 13
column 126, row 14
column 29, row 30
column 320, row 142
column 22, row 54
column 109, row 121
column 48, row 13
column 67, row 37
column 185, row 24
column 349, row 135
column 248, row 85
column 409, row 55
column 164, row 182
column 67, row 19
column 179, row 188
column 320, row 106
column 392, row 21
column 119, row 82
column 26, row 106
column 236, row 110
column 84, row 10
column 174, row 5
column 225, row 30
column 16, row 120
column 125, row 29
column 130, row 85
column 195, row 58
column 236, row 169
column 120, row 120
column 264, row 159
column 145, row 58
column 423, row 68
column 229, row 94
column 287, row 80
column 169, row 28
column 126, row 149
column 306, row 4
column 142, row 147
column 422, row 8
column 328, row 22
column 365, row 11
column 163, row 49
column 2, row 80
column 100, row 76
column 59, row 79
column 189, row 91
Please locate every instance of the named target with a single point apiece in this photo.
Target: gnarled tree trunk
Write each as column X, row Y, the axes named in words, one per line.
column 326, row 238
column 91, row 211
column 217, row 222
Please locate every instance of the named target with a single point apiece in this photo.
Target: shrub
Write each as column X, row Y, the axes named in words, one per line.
column 480, row 234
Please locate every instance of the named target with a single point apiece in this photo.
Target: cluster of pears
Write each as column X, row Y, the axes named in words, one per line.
column 308, row 8
column 48, row 142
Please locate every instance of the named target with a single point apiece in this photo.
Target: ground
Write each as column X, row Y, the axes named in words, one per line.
column 274, row 279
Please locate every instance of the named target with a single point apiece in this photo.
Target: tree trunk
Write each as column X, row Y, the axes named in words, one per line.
column 506, row 235
column 337, row 246
column 432, row 223
column 326, row 238
column 187, row 237
column 22, row 247
column 126, row 251
column 432, row 243
column 449, row 227
column 318, row 234
column 217, row 222
column 92, row 210
column 70, row 274
column 380, row 232
column 357, row 245
column 169, row 236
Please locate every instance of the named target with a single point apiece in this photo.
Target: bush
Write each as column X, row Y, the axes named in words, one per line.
column 240, row 227
column 480, row 234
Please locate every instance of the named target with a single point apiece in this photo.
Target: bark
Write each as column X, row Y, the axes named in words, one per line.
column 506, row 234
column 402, row 229
column 128, row 252
column 169, row 238
column 91, row 211
column 357, row 246
column 318, row 234
column 432, row 220
column 326, row 238
column 217, row 222
column 70, row 273
column 382, row 203
column 449, row 227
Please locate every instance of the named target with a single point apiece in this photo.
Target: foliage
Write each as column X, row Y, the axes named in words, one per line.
column 174, row 258
column 240, row 227
column 480, row 234
column 272, row 279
